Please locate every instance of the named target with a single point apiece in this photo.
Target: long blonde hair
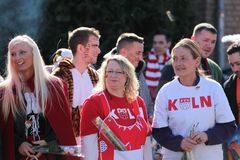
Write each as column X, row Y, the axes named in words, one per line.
column 131, row 86
column 13, row 99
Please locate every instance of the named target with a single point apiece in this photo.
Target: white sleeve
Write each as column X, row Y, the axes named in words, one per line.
column 90, row 146
column 160, row 117
column 147, row 150
column 222, row 107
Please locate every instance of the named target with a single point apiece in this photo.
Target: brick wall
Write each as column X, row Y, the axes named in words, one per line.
column 211, row 10
column 232, row 16
column 207, row 12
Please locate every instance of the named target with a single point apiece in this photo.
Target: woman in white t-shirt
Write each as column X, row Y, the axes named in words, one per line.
column 191, row 112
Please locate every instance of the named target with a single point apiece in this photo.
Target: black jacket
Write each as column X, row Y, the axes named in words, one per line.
column 230, row 88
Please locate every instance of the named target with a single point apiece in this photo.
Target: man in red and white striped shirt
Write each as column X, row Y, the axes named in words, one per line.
column 157, row 58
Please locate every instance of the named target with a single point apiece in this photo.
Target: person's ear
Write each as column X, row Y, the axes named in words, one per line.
column 193, row 38
column 123, row 52
column 198, row 61
column 80, row 48
column 169, row 44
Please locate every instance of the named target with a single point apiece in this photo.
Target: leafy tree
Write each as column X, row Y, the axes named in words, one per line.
column 110, row 17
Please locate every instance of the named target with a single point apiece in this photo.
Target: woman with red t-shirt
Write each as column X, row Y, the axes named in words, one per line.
column 117, row 103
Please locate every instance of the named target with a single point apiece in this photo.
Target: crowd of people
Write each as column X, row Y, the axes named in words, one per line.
column 178, row 100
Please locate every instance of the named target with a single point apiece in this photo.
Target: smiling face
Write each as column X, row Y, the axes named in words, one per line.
column 184, row 64
column 115, row 77
column 206, row 41
column 133, row 52
column 21, row 57
column 91, row 50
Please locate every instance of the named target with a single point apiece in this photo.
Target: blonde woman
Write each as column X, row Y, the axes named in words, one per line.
column 192, row 113
column 117, row 103
column 33, row 104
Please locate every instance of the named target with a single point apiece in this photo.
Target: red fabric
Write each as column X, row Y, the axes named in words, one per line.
column 153, row 79
column 153, row 69
column 7, row 138
column 133, row 136
column 123, row 113
column 92, row 108
column 155, row 64
column 58, row 115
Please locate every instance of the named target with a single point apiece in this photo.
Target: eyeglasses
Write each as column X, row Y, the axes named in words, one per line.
column 117, row 73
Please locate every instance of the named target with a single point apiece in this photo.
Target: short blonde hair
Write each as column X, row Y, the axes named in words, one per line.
column 131, row 86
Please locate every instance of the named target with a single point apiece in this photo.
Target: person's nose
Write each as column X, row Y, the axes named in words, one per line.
column 140, row 57
column 17, row 56
column 98, row 50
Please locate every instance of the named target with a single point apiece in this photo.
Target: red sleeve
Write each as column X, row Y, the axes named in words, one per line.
column 91, row 108
column 144, row 108
column 58, row 115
